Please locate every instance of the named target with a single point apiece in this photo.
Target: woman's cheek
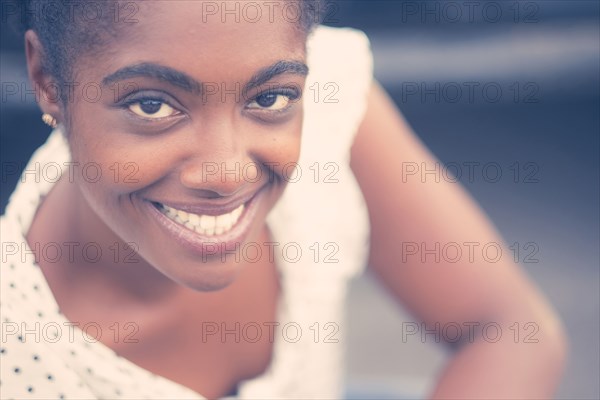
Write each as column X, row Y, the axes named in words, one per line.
column 279, row 149
column 117, row 166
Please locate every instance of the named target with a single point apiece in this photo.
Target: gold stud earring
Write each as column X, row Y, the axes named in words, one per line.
column 49, row 120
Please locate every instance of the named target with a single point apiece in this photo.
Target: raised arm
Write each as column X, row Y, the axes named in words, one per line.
column 413, row 218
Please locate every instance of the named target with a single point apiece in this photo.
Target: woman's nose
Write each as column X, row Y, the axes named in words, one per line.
column 221, row 167
column 222, row 179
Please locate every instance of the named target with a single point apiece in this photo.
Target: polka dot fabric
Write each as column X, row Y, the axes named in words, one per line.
column 43, row 356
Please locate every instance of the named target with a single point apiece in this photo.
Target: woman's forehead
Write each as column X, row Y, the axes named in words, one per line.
column 180, row 34
column 219, row 22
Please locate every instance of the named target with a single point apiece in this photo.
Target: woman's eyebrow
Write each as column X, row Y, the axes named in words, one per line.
column 280, row 67
column 156, row 71
column 187, row 83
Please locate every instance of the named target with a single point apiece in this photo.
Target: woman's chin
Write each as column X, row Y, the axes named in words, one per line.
column 206, row 278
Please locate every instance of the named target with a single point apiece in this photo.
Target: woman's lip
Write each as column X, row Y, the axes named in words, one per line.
column 210, row 209
column 205, row 245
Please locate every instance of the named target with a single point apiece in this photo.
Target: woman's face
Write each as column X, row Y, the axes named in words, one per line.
column 197, row 117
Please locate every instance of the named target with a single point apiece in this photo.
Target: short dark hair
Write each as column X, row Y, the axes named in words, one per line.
column 66, row 31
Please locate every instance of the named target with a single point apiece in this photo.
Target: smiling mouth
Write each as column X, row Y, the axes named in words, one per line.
column 207, row 225
column 208, row 229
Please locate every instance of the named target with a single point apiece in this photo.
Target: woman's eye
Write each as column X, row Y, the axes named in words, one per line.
column 152, row 108
column 270, row 101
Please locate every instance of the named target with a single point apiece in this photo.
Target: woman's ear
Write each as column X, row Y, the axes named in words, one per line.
column 47, row 89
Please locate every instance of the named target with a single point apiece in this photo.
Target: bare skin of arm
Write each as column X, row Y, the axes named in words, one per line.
column 414, row 210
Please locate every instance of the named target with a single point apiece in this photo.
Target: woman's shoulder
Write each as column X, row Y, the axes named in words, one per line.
column 325, row 36
column 336, row 91
column 341, row 55
column 42, row 171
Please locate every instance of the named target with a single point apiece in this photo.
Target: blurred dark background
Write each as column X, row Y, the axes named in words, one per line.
column 511, row 85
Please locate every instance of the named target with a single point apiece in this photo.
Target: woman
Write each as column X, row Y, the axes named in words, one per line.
column 194, row 246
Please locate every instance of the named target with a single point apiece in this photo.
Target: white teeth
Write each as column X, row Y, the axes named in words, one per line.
column 183, row 215
column 237, row 212
column 189, row 225
column 207, row 222
column 224, row 222
column 194, row 219
column 208, row 225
